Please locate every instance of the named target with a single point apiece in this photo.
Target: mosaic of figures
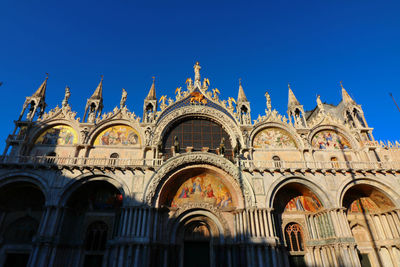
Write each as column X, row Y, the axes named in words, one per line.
column 330, row 140
column 273, row 138
column 304, row 203
column 203, row 188
column 58, row 135
column 363, row 204
column 117, row 135
column 375, row 202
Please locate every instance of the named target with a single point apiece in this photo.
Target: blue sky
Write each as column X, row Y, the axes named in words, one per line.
column 311, row 44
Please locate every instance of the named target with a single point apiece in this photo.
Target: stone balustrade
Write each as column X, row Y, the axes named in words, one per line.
column 261, row 165
column 320, row 165
column 50, row 161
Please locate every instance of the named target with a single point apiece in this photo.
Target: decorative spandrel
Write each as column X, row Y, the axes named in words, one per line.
column 273, row 138
column 203, row 188
column 304, row 203
column 58, row 135
column 330, row 140
column 118, row 135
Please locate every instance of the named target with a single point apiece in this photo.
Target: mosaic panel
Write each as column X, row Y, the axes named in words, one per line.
column 330, row 140
column 273, row 138
column 203, row 188
column 117, row 135
column 363, row 204
column 58, row 135
column 304, row 203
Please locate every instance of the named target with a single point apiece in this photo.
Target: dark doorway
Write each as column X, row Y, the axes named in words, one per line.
column 196, row 254
column 364, row 259
column 17, row 260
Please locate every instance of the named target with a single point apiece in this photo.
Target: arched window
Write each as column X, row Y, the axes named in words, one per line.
column 334, row 162
column 96, row 237
column 277, row 161
column 359, row 117
column 198, row 134
column 114, row 158
column 294, row 237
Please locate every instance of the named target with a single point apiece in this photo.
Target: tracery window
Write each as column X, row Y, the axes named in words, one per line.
column 294, row 237
column 197, row 133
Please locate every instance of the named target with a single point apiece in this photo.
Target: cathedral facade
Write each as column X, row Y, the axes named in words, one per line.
column 197, row 182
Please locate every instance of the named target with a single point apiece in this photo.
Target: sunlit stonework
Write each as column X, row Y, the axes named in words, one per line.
column 196, row 181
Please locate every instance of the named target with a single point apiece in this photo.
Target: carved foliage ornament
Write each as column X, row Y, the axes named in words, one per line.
column 59, row 113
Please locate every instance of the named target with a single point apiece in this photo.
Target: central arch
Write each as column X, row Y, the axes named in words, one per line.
column 225, row 169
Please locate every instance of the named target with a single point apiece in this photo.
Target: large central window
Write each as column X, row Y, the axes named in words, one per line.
column 197, row 133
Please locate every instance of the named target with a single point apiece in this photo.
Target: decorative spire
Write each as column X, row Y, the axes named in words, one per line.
column 241, row 96
column 152, row 92
column 41, row 91
column 292, row 98
column 345, row 96
column 98, row 93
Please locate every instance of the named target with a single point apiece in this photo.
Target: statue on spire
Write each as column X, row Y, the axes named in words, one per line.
column 66, row 96
column 197, row 77
column 268, row 98
column 123, row 98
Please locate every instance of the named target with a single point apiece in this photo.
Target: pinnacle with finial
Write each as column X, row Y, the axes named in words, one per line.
column 41, row 91
column 345, row 96
column 292, row 101
column 152, row 92
column 241, row 96
column 98, row 93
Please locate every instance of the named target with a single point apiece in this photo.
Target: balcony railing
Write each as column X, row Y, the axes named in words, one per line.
column 49, row 161
column 79, row 161
column 321, row 165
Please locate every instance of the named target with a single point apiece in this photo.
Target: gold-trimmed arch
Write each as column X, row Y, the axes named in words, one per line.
column 349, row 140
column 240, row 185
column 59, row 134
column 117, row 134
column 289, row 136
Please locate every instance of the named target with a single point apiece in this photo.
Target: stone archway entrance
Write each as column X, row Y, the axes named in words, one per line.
column 199, row 235
column 196, row 243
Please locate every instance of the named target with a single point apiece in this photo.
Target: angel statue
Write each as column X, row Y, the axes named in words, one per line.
column 230, row 100
column 206, row 83
column 162, row 100
column 215, row 93
column 189, row 83
column 178, row 92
